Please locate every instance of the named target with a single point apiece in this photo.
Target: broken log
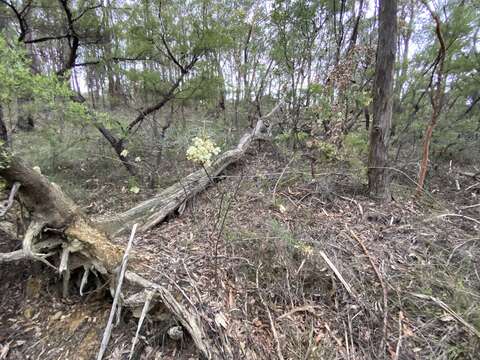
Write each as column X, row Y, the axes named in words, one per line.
column 75, row 241
column 153, row 211
column 54, row 214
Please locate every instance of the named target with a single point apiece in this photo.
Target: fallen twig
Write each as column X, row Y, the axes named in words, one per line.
column 145, row 309
column 108, row 329
column 279, row 179
column 360, row 209
column 337, row 273
column 472, row 186
column 469, row 207
column 449, row 310
column 460, row 216
column 399, row 342
column 306, row 308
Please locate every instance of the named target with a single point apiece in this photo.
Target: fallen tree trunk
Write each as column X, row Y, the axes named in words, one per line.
column 73, row 241
column 153, row 211
column 49, row 208
column 74, row 238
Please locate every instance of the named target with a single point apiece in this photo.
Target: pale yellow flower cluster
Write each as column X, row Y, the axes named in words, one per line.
column 202, row 150
column 307, row 250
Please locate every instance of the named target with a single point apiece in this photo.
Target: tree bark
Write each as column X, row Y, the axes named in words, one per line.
column 49, row 206
column 3, row 127
column 69, row 230
column 153, row 211
column 436, row 99
column 378, row 174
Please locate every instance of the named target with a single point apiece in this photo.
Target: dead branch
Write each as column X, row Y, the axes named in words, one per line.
column 145, row 309
column 108, row 329
column 189, row 320
column 153, row 211
column 459, row 216
column 437, row 95
column 449, row 310
column 33, row 230
column 400, row 331
column 337, row 273
column 5, row 206
column 307, row 308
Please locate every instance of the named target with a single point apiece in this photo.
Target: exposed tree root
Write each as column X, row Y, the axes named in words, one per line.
column 77, row 242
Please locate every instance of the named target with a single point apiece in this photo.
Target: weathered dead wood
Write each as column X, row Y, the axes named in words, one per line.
column 4, row 207
column 51, row 209
column 81, row 243
column 153, row 211
column 20, row 254
column 116, row 298
column 189, row 320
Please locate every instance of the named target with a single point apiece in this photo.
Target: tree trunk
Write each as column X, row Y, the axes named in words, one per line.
column 378, row 174
column 51, row 208
column 153, row 211
column 3, row 127
column 55, row 216
column 436, row 99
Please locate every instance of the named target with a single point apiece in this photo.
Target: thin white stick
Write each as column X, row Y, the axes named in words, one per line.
column 460, row 216
column 337, row 273
column 400, row 331
column 108, row 329
column 449, row 310
column 64, row 270
column 86, row 271
column 140, row 321
column 9, row 203
column 280, row 178
column 469, row 207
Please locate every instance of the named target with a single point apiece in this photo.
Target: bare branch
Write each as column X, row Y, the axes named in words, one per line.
column 9, row 203
column 46, row 38
column 85, row 11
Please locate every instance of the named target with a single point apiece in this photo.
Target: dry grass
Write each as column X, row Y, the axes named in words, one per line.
column 250, row 262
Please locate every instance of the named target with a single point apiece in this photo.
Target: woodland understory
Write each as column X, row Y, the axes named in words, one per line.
column 265, row 268
column 239, row 180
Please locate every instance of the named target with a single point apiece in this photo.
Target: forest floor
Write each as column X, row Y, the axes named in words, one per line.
column 291, row 266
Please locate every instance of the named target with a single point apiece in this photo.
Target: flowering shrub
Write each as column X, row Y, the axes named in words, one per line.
column 202, row 150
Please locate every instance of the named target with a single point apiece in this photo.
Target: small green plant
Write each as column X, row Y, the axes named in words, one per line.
column 289, row 239
column 326, row 150
column 297, row 136
column 354, row 152
column 133, row 186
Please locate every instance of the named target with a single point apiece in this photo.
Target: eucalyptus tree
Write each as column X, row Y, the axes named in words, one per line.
column 176, row 38
column 378, row 172
column 456, row 125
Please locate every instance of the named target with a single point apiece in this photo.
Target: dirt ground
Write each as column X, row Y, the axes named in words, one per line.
column 291, row 267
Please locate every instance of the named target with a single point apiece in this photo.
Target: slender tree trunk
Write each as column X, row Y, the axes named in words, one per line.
column 436, row 99
column 3, row 128
column 378, row 174
column 25, row 120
